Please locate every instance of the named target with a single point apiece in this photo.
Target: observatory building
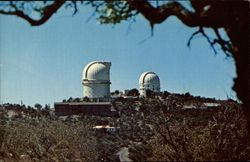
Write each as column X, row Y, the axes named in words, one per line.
column 96, row 86
column 96, row 80
column 149, row 81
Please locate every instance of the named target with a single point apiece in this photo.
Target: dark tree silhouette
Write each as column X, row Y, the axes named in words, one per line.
column 150, row 94
column 133, row 92
column 230, row 15
column 165, row 94
column 116, row 92
column 38, row 106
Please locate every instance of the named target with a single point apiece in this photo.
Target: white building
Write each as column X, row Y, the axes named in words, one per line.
column 107, row 128
column 149, row 81
column 96, row 80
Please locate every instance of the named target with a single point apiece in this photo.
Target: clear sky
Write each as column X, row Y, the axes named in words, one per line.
column 44, row 64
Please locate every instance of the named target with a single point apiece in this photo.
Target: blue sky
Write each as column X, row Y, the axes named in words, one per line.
column 44, row 64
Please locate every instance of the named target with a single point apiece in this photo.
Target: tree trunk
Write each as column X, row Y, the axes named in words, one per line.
column 239, row 35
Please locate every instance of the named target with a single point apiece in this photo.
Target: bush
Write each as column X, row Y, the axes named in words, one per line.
column 41, row 138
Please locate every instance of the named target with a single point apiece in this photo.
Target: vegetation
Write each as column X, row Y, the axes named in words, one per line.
column 151, row 128
column 29, row 134
column 231, row 17
column 116, row 92
column 133, row 92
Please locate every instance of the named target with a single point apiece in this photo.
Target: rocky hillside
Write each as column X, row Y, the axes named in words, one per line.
column 171, row 128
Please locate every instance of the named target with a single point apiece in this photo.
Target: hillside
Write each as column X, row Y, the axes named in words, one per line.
column 176, row 128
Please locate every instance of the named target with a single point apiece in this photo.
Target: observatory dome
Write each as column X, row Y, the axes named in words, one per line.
column 97, row 71
column 149, row 81
column 96, row 82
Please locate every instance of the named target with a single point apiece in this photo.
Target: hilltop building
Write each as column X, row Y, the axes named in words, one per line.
column 90, row 108
column 96, row 87
column 106, row 128
column 149, row 81
column 96, row 80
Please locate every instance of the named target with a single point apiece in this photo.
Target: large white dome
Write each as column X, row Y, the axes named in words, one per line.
column 96, row 82
column 96, row 71
column 149, row 81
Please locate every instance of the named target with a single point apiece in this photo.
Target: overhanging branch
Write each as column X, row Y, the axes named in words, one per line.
column 202, row 32
column 156, row 15
column 161, row 13
column 192, row 36
column 48, row 12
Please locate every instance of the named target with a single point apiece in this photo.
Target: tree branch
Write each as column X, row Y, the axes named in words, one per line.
column 192, row 36
column 156, row 15
column 48, row 12
column 226, row 46
column 201, row 31
column 161, row 13
column 208, row 39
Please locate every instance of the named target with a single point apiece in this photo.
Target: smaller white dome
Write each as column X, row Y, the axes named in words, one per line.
column 149, row 78
column 149, row 81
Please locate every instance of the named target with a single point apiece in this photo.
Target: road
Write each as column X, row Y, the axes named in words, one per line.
column 123, row 154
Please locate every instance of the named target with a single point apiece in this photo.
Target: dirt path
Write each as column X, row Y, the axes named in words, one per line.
column 123, row 154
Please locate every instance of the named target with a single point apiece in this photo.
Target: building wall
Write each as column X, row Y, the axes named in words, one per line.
column 91, row 109
column 144, row 87
column 92, row 90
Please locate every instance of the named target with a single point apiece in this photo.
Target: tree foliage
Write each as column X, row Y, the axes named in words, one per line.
column 38, row 106
column 150, row 93
column 204, row 14
column 133, row 92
